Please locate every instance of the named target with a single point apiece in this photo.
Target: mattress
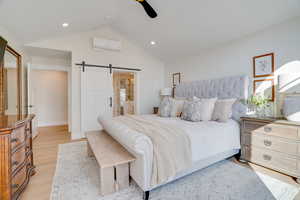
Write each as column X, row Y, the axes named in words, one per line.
column 208, row 138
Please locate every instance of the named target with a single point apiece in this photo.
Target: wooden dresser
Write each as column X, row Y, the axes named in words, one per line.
column 272, row 143
column 16, row 158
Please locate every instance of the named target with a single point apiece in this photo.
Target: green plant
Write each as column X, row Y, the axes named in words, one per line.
column 258, row 101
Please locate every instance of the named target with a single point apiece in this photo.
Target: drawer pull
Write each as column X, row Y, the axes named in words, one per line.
column 14, row 186
column 267, row 129
column 14, row 140
column 15, row 163
column 267, row 143
column 267, row 157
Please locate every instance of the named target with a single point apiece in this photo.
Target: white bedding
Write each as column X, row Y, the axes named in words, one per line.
column 208, row 138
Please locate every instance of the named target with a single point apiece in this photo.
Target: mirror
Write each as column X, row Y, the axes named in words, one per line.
column 10, row 84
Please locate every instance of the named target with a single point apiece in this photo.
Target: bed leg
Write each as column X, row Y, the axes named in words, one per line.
column 238, row 155
column 146, row 195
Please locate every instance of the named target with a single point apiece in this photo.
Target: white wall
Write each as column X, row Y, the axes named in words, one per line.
column 151, row 79
column 235, row 58
column 50, row 93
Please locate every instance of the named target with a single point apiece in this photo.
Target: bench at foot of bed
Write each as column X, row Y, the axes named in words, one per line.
column 113, row 160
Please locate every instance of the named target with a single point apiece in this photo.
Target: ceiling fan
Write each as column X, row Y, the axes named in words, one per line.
column 148, row 8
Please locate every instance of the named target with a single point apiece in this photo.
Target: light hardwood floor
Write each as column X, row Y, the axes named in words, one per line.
column 45, row 148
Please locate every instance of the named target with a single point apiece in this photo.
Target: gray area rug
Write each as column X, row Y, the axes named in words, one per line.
column 76, row 178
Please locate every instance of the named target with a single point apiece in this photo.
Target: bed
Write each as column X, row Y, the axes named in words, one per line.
column 211, row 141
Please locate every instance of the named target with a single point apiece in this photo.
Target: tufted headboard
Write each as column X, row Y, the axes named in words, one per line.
column 224, row 88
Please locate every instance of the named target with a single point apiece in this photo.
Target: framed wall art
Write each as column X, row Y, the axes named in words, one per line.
column 263, row 65
column 264, row 87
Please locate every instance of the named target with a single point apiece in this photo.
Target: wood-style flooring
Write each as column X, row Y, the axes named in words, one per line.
column 45, row 148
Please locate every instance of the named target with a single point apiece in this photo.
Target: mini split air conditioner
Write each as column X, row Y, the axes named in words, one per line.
column 102, row 43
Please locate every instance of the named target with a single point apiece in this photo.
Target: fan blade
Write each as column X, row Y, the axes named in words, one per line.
column 149, row 10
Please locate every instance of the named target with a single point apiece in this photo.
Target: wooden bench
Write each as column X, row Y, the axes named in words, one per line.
column 113, row 160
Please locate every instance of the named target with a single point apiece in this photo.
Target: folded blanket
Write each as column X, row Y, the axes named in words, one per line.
column 171, row 146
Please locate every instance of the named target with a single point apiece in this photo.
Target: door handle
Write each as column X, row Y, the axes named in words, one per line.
column 110, row 102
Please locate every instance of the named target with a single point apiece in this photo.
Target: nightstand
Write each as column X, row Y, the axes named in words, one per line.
column 272, row 143
column 155, row 110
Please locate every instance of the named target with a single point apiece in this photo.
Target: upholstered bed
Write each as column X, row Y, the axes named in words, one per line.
column 211, row 141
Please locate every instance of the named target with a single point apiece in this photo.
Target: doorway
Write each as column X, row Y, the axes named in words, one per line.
column 124, row 93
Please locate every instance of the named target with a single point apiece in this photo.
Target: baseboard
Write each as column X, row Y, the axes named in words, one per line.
column 46, row 124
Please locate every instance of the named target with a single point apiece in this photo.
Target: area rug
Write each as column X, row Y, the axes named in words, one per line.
column 77, row 178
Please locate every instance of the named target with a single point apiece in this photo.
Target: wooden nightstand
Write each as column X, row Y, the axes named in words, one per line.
column 272, row 143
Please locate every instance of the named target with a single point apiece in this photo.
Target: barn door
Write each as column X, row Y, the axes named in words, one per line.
column 96, row 97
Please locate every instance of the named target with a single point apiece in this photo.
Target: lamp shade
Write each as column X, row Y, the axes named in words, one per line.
column 166, row 92
column 289, row 83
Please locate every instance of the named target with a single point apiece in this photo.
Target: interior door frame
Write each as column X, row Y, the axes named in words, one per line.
column 136, row 88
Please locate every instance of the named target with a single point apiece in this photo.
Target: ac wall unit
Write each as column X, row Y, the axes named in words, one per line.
column 102, row 43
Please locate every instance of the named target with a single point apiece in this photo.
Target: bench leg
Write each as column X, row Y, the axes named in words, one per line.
column 122, row 176
column 107, row 180
column 146, row 195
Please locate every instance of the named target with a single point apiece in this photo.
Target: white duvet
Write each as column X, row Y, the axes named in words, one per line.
column 208, row 138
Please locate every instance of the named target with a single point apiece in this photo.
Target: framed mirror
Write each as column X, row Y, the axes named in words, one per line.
column 10, row 83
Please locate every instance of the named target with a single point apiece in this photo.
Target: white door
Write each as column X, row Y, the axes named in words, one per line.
column 31, row 100
column 96, row 97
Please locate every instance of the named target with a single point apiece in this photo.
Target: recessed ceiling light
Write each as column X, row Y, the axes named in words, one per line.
column 65, row 25
column 153, row 43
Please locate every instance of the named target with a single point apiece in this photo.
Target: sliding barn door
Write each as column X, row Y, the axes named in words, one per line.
column 96, row 97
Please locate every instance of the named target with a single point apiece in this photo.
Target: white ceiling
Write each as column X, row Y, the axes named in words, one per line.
column 182, row 28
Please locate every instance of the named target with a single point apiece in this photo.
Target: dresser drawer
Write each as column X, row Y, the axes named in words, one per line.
column 271, row 143
column 18, row 158
column 271, row 159
column 19, row 179
column 18, row 137
column 284, row 131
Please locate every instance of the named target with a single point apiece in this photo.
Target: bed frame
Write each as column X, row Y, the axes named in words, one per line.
column 140, row 170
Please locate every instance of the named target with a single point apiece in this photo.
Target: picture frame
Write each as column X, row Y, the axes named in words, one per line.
column 265, row 87
column 176, row 79
column 263, row 65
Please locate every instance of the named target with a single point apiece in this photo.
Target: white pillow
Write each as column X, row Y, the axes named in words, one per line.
column 198, row 109
column 176, row 107
column 223, row 110
column 206, row 108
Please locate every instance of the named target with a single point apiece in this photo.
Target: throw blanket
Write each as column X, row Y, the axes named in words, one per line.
column 171, row 145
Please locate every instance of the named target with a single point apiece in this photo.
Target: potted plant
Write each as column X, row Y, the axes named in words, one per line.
column 258, row 104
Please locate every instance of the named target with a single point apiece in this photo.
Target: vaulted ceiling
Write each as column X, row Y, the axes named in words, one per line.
column 182, row 27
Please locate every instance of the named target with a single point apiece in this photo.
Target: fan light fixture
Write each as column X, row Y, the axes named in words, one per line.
column 148, row 8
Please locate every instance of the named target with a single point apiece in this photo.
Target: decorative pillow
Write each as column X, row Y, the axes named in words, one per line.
column 176, row 107
column 206, row 108
column 189, row 111
column 165, row 107
column 223, row 110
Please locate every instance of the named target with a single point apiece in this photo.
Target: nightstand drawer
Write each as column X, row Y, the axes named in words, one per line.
column 271, row 159
column 271, row 143
column 284, row 131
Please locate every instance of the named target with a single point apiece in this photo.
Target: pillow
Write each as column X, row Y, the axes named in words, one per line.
column 176, row 107
column 165, row 107
column 198, row 109
column 206, row 108
column 189, row 112
column 223, row 110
